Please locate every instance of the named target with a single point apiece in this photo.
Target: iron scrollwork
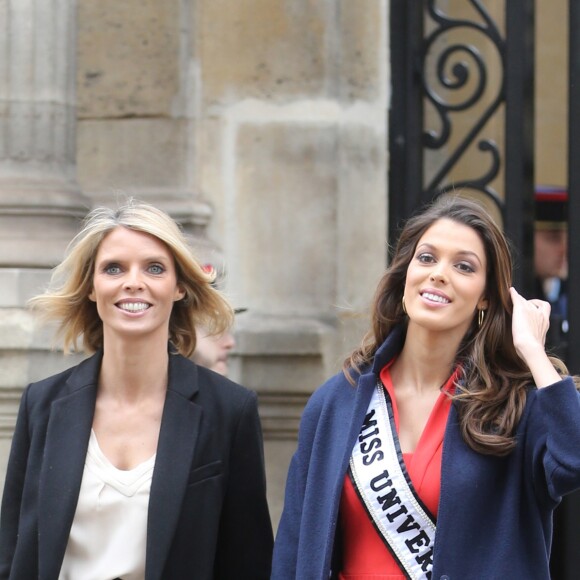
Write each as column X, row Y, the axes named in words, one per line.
column 454, row 75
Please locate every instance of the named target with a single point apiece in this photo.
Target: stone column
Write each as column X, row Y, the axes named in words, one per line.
column 40, row 201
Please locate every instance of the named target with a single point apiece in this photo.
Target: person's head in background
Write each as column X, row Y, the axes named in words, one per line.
column 212, row 349
column 551, row 233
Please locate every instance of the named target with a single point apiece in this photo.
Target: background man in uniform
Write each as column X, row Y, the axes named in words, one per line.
column 551, row 270
column 551, row 262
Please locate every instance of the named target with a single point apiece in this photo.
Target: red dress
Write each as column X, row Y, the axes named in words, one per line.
column 365, row 556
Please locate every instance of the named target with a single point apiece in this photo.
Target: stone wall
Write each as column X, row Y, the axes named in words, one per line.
column 40, row 199
column 290, row 149
column 261, row 126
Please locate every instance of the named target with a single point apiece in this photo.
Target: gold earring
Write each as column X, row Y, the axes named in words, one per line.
column 403, row 304
column 480, row 317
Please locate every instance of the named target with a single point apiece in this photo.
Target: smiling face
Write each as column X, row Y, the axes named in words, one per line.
column 134, row 285
column 446, row 278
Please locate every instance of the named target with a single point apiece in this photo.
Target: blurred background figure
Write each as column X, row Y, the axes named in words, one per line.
column 551, row 262
column 212, row 350
column 551, row 270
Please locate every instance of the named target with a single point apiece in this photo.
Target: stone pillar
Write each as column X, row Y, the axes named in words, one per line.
column 40, row 201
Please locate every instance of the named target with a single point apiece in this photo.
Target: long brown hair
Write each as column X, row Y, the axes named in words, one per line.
column 492, row 390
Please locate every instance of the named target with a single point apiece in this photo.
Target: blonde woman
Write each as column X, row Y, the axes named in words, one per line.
column 136, row 463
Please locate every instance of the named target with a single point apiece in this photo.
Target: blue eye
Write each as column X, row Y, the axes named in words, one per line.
column 156, row 269
column 112, row 269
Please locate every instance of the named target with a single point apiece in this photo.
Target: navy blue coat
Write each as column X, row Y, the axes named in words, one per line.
column 207, row 517
column 495, row 513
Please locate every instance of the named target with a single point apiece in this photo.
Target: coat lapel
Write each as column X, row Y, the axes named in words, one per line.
column 68, row 433
column 361, row 396
column 351, row 409
column 180, row 426
column 67, row 437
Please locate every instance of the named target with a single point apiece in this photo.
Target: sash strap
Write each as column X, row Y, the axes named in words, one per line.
column 380, row 478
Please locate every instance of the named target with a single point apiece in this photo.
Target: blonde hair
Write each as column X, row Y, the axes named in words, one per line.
column 67, row 298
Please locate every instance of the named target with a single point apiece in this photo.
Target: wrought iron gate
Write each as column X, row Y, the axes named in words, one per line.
column 433, row 59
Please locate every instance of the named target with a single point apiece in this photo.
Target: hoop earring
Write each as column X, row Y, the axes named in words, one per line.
column 480, row 317
column 403, row 305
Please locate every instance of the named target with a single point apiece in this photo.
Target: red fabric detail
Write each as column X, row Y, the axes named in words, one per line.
column 365, row 556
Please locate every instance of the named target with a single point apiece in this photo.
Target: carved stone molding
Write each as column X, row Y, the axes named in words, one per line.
column 40, row 200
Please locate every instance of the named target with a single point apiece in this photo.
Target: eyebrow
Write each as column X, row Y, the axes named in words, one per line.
column 466, row 253
column 113, row 258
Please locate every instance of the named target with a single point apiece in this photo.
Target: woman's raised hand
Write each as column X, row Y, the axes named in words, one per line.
column 530, row 323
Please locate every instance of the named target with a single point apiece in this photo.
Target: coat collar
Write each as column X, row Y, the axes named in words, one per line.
column 69, row 427
column 183, row 376
column 352, row 407
column 65, row 449
column 389, row 349
column 180, row 426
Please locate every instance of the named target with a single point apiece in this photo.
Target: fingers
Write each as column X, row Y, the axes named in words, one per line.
column 541, row 305
column 530, row 323
column 515, row 295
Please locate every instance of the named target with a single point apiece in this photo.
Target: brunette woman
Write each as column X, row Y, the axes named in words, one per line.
column 443, row 448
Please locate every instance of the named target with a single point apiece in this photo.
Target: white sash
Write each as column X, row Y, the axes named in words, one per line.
column 383, row 484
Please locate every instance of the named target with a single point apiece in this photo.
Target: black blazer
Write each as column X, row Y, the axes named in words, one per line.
column 208, row 516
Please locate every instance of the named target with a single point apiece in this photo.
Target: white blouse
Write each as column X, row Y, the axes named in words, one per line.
column 109, row 531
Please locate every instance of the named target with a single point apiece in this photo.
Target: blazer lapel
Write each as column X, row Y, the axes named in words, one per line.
column 177, row 438
column 67, row 437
